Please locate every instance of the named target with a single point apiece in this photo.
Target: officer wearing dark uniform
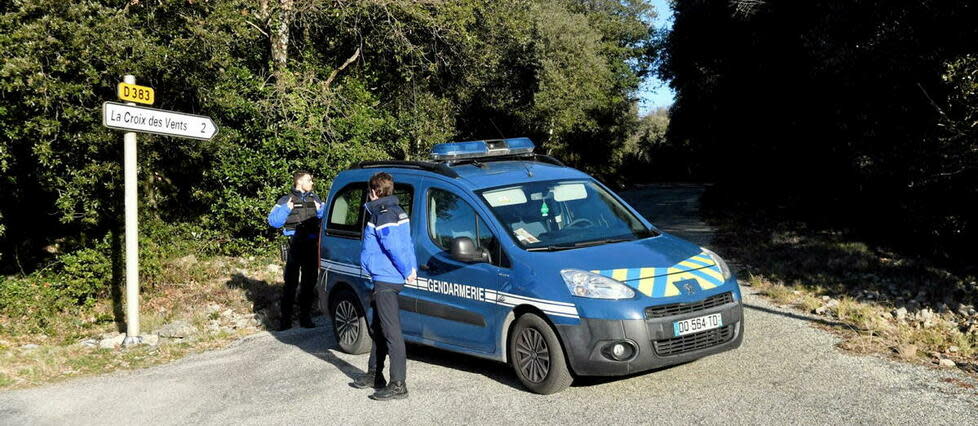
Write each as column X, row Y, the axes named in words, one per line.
column 387, row 255
column 299, row 215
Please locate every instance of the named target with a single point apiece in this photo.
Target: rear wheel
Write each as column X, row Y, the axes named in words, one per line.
column 349, row 323
column 537, row 357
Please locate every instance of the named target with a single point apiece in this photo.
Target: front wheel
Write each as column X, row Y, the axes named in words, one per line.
column 349, row 323
column 537, row 357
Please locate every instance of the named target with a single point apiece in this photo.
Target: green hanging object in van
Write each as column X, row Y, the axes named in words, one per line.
column 544, row 209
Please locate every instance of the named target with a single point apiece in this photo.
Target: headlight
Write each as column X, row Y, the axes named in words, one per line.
column 724, row 269
column 587, row 284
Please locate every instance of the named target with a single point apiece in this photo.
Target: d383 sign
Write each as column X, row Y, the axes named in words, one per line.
column 135, row 93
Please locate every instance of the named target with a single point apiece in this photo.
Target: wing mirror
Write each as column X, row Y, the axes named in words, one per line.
column 465, row 250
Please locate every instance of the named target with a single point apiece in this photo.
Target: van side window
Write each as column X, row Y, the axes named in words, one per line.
column 346, row 213
column 450, row 217
column 405, row 196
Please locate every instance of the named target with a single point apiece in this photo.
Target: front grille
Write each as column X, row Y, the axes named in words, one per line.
column 693, row 342
column 685, row 308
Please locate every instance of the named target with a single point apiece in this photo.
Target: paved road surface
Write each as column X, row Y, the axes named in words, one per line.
column 786, row 372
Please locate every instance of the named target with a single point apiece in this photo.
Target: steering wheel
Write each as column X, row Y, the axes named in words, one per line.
column 582, row 220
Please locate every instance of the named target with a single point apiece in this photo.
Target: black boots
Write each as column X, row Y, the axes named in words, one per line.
column 395, row 390
column 370, row 379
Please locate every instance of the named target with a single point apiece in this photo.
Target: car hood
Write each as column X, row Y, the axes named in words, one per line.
column 664, row 266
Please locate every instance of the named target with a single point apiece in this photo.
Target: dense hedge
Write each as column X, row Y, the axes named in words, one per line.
column 358, row 81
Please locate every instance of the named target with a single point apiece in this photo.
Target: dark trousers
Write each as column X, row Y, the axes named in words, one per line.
column 300, row 272
column 386, row 331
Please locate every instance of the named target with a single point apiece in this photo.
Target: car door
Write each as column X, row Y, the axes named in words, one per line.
column 453, row 303
column 341, row 245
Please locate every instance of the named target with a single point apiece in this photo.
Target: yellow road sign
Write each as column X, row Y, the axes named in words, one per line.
column 134, row 93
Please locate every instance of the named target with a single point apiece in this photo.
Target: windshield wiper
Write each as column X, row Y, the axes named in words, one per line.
column 601, row 242
column 552, row 247
column 558, row 247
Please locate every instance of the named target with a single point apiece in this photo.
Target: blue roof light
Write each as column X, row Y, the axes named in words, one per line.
column 485, row 148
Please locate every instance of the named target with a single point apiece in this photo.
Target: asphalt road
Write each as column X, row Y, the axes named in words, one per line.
column 786, row 372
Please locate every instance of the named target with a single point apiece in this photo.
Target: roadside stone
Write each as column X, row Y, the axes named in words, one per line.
column 151, row 340
column 89, row 343
column 112, row 342
column 177, row 329
column 821, row 310
column 826, row 298
column 926, row 314
column 30, row 347
column 900, row 313
column 944, row 362
column 832, row 303
column 274, row 268
column 953, row 349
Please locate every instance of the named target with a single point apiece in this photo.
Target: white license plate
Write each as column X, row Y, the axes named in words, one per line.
column 695, row 325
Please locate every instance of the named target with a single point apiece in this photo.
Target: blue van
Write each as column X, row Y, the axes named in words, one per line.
column 526, row 261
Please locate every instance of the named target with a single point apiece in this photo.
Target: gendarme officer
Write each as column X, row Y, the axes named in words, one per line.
column 299, row 214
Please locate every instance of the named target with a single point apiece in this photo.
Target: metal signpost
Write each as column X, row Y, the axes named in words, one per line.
column 133, row 119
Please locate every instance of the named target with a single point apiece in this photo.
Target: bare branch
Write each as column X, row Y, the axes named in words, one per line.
column 257, row 28
column 335, row 72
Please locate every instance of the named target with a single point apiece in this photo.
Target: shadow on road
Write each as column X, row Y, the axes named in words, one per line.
column 796, row 316
column 265, row 299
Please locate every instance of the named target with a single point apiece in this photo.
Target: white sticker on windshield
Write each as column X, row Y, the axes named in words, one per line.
column 505, row 197
column 569, row 191
column 525, row 236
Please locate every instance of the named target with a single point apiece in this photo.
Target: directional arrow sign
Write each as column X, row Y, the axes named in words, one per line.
column 157, row 121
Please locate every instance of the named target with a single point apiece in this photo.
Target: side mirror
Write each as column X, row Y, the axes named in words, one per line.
column 464, row 250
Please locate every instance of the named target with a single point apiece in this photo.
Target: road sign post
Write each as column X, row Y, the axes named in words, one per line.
column 132, row 119
column 132, row 236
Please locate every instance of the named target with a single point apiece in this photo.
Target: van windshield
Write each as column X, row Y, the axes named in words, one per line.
column 561, row 215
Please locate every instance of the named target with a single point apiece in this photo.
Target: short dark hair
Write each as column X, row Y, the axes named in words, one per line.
column 382, row 184
column 298, row 175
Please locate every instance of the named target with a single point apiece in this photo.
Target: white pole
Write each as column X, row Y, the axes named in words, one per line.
column 132, row 236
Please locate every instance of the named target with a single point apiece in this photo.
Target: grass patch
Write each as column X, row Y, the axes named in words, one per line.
column 218, row 295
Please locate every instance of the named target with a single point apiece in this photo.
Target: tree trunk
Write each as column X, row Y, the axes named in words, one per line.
column 279, row 21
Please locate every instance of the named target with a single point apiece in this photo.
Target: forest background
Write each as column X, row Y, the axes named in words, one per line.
column 855, row 115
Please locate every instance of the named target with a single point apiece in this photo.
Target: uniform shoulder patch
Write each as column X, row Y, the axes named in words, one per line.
column 402, row 216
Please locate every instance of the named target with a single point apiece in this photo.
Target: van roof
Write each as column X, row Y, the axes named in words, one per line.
column 483, row 173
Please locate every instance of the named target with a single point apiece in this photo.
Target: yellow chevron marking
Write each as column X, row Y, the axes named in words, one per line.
column 703, row 258
column 645, row 284
column 706, row 285
column 620, row 274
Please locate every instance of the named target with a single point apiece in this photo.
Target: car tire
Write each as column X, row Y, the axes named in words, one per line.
column 537, row 357
column 349, row 323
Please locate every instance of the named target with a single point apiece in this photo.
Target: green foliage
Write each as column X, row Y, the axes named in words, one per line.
column 848, row 113
column 86, row 274
column 359, row 81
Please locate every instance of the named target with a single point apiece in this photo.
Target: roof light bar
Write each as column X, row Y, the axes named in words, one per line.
column 485, row 148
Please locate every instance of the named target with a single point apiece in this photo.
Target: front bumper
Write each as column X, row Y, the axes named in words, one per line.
column 653, row 339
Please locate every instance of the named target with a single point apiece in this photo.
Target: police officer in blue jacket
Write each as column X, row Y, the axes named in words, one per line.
column 388, row 256
column 299, row 215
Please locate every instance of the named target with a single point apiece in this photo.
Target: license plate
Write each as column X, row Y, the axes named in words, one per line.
column 695, row 325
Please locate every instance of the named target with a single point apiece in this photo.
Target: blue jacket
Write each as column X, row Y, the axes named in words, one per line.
column 388, row 251
column 280, row 213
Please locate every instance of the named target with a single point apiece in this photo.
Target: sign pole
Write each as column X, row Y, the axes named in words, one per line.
column 132, row 236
